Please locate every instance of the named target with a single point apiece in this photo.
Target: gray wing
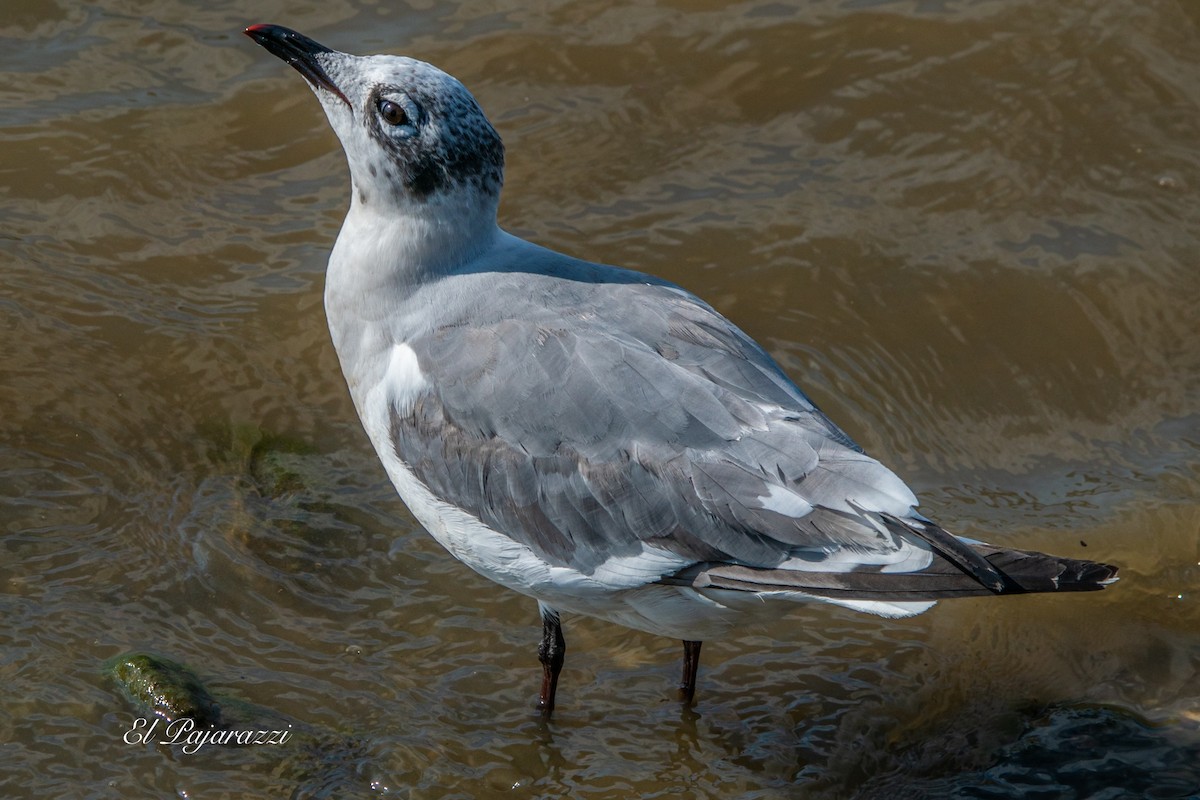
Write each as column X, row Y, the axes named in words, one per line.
column 588, row 440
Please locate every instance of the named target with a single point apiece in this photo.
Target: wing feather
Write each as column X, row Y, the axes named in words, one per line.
column 587, row 443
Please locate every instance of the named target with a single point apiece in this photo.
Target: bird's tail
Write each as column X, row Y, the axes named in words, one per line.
column 959, row 568
column 1030, row 571
column 1002, row 570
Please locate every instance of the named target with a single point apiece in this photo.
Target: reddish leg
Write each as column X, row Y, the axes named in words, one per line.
column 551, row 652
column 691, row 663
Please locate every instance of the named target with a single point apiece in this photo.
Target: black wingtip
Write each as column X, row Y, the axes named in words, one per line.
column 1087, row 575
column 1028, row 571
column 954, row 550
column 1004, row 571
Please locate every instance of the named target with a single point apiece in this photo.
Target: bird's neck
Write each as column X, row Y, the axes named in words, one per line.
column 385, row 254
column 401, row 245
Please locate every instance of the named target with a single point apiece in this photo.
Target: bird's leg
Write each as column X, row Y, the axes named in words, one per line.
column 691, row 663
column 551, row 652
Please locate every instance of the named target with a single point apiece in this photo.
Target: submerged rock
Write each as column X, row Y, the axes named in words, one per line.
column 314, row 762
column 166, row 689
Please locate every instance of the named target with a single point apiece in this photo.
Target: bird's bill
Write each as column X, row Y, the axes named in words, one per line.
column 299, row 51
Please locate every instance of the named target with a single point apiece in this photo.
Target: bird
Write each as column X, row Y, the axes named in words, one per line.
column 596, row 438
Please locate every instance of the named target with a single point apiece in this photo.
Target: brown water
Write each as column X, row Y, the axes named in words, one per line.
column 970, row 230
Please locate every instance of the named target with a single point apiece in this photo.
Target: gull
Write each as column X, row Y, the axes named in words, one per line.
column 595, row 438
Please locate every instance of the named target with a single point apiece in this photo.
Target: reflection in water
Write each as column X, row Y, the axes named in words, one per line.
column 970, row 233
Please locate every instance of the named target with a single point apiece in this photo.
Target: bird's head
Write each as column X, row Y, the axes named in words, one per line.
column 413, row 135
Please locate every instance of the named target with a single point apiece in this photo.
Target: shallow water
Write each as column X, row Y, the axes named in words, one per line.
column 970, row 230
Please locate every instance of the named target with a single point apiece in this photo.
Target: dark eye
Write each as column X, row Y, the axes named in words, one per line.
column 392, row 113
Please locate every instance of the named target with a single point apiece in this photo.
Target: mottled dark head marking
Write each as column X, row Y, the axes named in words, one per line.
column 434, row 133
column 412, row 133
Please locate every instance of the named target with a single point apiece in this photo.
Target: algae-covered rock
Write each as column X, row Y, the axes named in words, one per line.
column 262, row 489
column 275, row 464
column 165, row 688
column 319, row 762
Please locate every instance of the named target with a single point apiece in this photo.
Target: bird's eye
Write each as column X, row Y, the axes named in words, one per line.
column 392, row 113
